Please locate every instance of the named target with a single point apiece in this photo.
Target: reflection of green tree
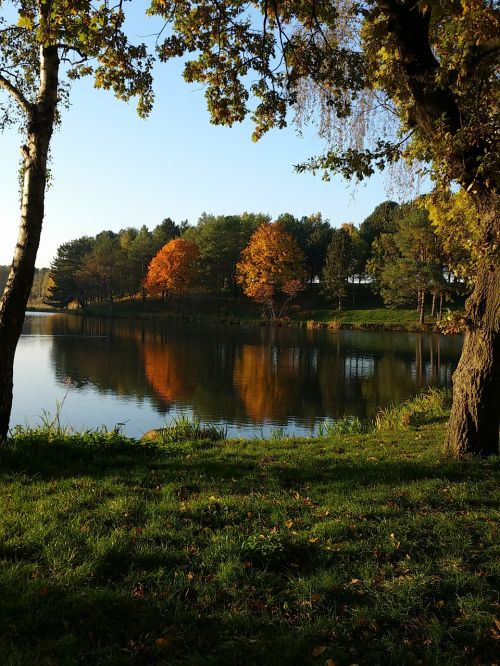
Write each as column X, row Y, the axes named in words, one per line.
column 391, row 382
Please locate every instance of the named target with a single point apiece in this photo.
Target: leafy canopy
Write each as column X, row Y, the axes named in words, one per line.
column 173, row 268
column 384, row 79
column 90, row 40
column 271, row 266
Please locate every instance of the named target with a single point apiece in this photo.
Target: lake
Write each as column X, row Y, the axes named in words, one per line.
column 104, row 372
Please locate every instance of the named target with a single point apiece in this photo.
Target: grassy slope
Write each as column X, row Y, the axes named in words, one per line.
column 368, row 549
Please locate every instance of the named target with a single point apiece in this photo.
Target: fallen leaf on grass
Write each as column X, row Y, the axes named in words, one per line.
column 318, row 651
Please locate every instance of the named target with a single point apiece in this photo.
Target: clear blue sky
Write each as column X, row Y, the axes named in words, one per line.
column 112, row 170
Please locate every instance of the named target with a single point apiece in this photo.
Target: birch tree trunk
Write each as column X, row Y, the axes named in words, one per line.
column 40, row 123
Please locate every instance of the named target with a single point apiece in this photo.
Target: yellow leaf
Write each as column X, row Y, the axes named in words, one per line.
column 25, row 22
column 289, row 523
column 318, row 651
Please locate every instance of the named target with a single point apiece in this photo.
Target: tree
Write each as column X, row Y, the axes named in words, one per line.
column 103, row 272
column 64, row 286
column 381, row 221
column 457, row 225
column 313, row 234
column 271, row 268
column 173, row 268
column 339, row 266
column 140, row 251
column 413, row 264
column 166, row 231
column 429, row 67
column 43, row 47
column 221, row 239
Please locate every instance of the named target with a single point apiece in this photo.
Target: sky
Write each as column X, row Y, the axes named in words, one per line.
column 111, row 169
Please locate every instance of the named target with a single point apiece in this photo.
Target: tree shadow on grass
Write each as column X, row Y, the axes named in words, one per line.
column 132, row 461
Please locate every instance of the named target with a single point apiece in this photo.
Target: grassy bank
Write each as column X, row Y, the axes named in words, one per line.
column 309, row 310
column 363, row 549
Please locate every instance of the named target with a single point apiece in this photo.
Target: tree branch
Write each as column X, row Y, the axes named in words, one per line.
column 17, row 95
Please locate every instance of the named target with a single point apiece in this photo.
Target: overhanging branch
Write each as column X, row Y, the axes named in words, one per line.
column 16, row 94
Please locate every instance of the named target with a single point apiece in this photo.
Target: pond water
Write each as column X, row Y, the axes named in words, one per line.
column 104, row 372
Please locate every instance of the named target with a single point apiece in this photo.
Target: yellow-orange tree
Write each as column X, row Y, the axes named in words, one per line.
column 174, row 267
column 271, row 269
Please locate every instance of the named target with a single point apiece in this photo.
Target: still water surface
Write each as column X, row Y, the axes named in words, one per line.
column 251, row 379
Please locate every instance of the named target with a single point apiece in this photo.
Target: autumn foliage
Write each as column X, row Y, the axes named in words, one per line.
column 173, row 269
column 271, row 269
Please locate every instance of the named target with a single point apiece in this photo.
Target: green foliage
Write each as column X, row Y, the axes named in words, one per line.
column 64, row 286
column 381, row 221
column 89, row 270
column 40, row 286
column 408, row 263
column 221, row 239
column 90, row 41
column 313, row 235
column 340, row 265
column 103, row 272
column 384, row 81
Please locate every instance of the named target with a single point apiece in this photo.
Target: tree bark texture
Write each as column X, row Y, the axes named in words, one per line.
column 40, row 122
column 473, row 427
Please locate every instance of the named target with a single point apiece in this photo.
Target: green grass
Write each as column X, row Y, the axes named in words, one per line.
column 366, row 549
column 183, row 428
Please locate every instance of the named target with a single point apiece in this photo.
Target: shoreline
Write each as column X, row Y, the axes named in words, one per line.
column 229, row 320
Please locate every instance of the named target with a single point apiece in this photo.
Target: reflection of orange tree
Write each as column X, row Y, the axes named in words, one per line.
column 262, row 376
column 165, row 369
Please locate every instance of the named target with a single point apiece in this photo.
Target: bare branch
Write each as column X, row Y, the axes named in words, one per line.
column 17, row 95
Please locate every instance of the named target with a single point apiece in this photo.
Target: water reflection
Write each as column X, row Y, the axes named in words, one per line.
column 241, row 375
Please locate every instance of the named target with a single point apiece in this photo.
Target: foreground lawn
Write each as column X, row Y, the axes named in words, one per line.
column 366, row 549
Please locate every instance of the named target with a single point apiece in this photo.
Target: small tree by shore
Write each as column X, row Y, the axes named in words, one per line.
column 271, row 269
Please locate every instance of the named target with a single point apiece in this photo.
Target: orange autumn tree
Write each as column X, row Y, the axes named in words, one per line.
column 173, row 269
column 271, row 269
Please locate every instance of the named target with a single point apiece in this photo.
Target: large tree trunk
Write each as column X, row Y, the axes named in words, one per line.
column 474, row 419
column 15, row 297
column 475, row 414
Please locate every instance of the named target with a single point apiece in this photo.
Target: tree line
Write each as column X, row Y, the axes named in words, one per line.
column 398, row 250
column 39, row 290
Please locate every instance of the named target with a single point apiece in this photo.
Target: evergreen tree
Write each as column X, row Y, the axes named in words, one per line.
column 339, row 266
column 64, row 285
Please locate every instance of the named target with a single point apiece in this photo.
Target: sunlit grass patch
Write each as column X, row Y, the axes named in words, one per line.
column 428, row 406
column 184, row 428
